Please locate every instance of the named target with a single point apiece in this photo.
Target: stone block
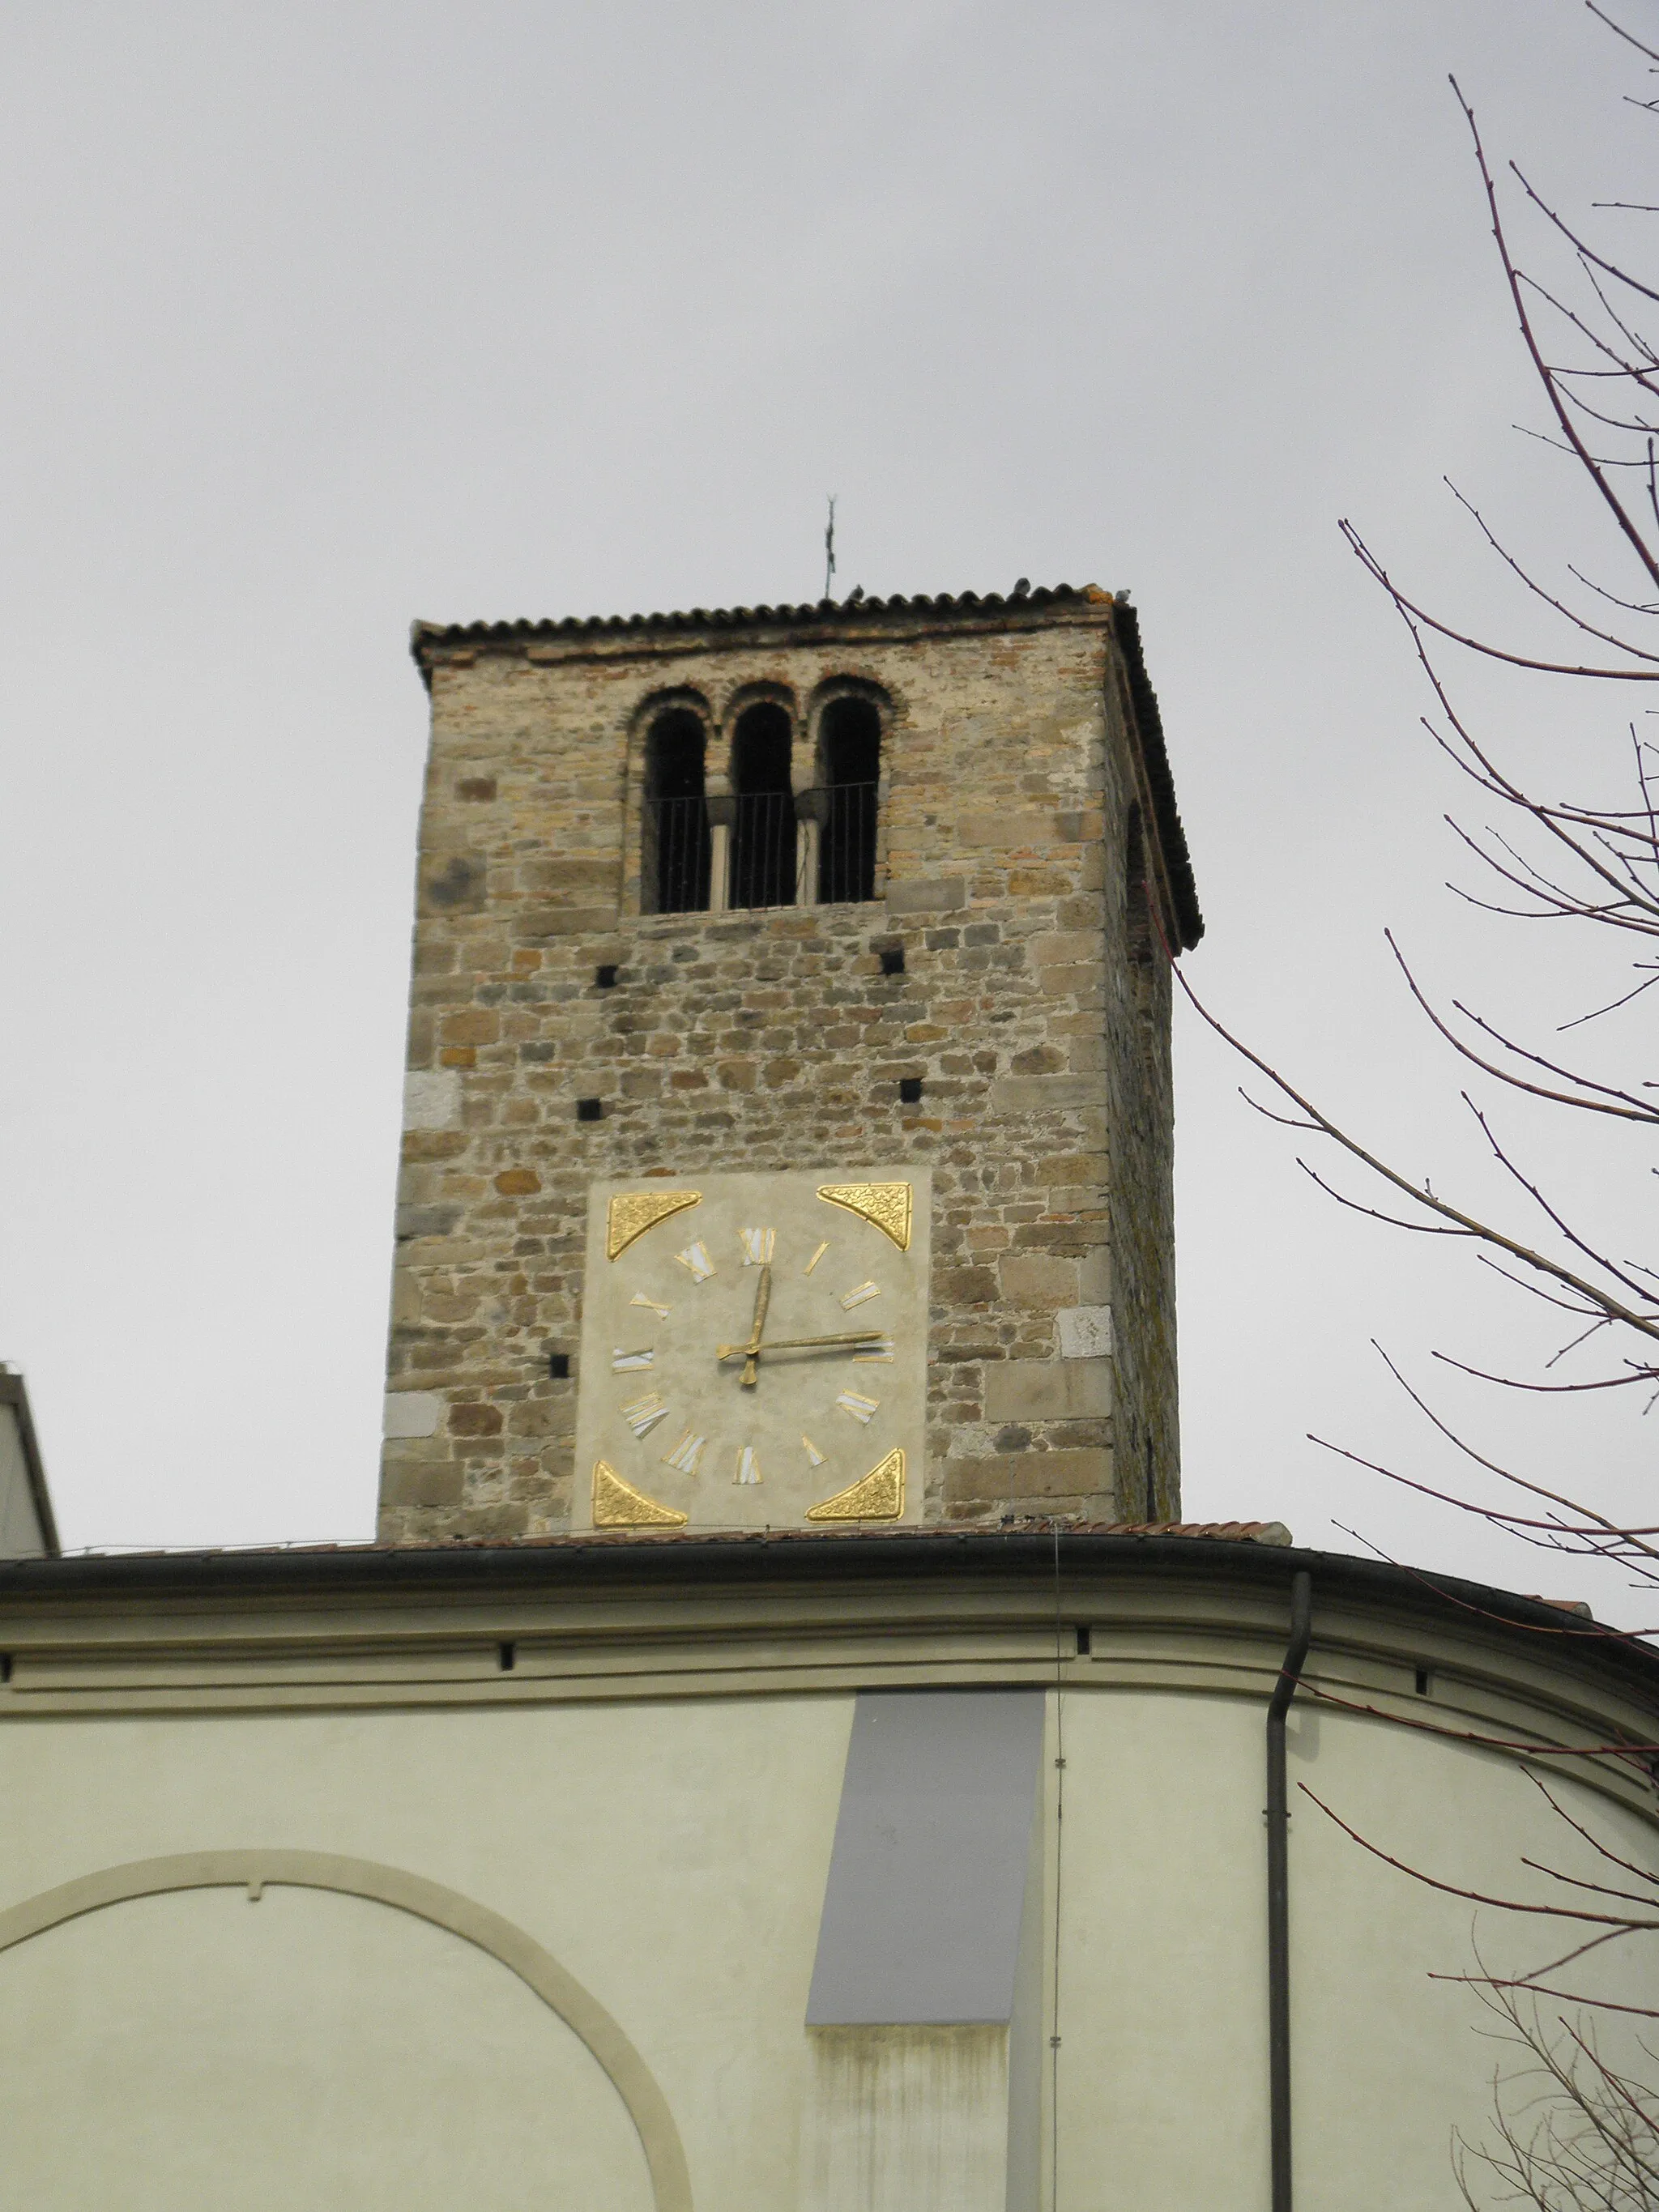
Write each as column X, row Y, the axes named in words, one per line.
column 475, row 1420
column 537, row 1419
column 412, row 1414
column 420, row 1483
column 1006, row 831
column 590, row 880
column 472, row 1025
column 1084, row 1333
column 432, row 1099
column 1045, row 1094
column 1039, row 1060
column 500, row 1523
column 426, row 1221
column 926, row 894
column 1037, row 1280
column 1060, row 1473
column 1007, row 1476
column 1047, row 1389
column 452, row 883
column 1039, row 883
column 534, row 924
column 518, row 1183
column 429, row 1145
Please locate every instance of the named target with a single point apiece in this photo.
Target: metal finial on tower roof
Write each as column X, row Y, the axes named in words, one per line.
column 830, row 549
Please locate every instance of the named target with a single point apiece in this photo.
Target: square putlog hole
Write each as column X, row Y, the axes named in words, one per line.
column 605, row 979
column 909, row 1090
column 892, row 960
column 589, row 1109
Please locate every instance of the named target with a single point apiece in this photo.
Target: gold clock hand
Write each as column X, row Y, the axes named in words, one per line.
column 762, row 1299
column 801, row 1343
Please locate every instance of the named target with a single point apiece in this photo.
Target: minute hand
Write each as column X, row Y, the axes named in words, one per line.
column 800, row 1343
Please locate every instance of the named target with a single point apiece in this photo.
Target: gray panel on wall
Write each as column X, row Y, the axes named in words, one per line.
column 922, row 1912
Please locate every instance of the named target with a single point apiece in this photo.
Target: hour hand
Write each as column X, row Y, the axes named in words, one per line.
column 751, row 1350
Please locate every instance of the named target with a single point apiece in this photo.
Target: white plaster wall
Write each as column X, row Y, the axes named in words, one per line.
column 190, row 2052
column 1162, row 1953
column 672, row 1856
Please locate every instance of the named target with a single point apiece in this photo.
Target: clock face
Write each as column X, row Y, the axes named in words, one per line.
column 754, row 1351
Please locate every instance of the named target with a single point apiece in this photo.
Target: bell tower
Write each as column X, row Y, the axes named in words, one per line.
column 789, row 1129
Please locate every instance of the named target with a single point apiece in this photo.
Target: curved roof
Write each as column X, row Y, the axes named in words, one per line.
column 1255, row 1553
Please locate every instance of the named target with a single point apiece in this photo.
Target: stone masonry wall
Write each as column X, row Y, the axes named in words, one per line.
column 772, row 1039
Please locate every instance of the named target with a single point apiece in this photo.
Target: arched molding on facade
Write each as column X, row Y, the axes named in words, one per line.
column 654, row 708
column 825, row 694
column 758, row 693
column 402, row 1892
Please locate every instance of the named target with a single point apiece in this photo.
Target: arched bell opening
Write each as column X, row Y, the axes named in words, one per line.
column 763, row 815
column 849, row 748
column 674, row 858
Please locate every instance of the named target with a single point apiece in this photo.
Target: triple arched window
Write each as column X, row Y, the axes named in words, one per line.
column 733, row 821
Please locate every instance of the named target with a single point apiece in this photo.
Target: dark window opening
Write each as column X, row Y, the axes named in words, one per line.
column 764, row 818
column 1424, row 1681
column 507, row 1657
column 850, row 744
column 892, row 960
column 909, row 1090
column 604, row 978
column 674, row 856
column 589, row 1109
column 1084, row 1640
column 558, row 1366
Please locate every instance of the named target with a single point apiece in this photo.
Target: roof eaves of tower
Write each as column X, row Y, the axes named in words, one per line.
column 966, row 609
column 1189, row 918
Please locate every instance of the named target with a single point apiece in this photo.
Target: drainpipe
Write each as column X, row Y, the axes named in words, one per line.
column 1279, row 1891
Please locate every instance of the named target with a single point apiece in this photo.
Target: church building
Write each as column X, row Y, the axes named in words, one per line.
column 784, row 1750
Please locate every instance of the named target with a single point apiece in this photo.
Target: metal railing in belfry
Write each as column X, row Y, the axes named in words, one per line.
column 763, row 844
column 769, row 853
column 674, row 860
column 846, row 852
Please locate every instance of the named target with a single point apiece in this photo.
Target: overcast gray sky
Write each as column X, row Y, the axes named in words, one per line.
column 321, row 317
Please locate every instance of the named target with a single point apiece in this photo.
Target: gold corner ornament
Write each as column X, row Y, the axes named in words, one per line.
column 885, row 1204
column 618, row 1505
column 631, row 1213
column 878, row 1497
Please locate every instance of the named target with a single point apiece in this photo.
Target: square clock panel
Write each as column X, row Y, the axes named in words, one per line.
column 754, row 1351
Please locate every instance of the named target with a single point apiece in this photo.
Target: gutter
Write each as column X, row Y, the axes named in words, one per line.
column 1279, row 1891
